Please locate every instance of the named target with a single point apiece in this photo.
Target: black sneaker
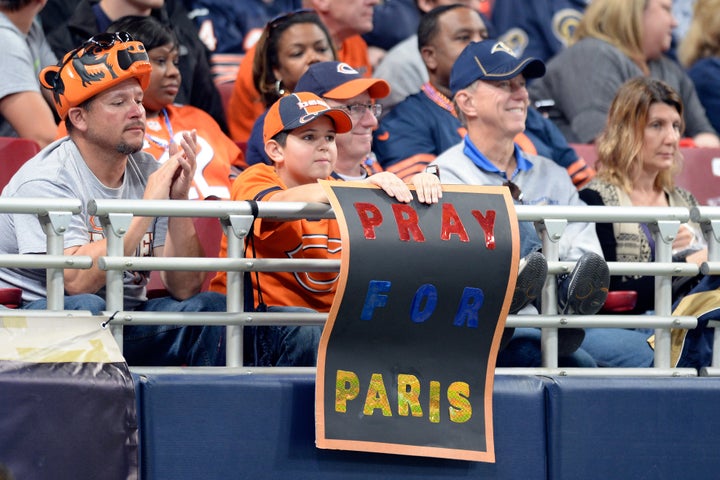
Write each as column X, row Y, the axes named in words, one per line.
column 585, row 290
column 582, row 292
column 530, row 281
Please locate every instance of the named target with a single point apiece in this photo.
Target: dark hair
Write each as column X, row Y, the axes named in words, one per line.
column 13, row 5
column 281, row 137
column 147, row 30
column 266, row 51
column 428, row 26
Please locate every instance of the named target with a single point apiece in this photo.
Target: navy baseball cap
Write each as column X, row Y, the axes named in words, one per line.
column 301, row 108
column 339, row 81
column 491, row 60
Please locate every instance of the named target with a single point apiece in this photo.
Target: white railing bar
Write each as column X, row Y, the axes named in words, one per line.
column 45, row 261
column 599, row 372
column 40, row 206
column 217, row 208
column 311, row 371
column 210, row 264
column 596, row 213
column 301, row 318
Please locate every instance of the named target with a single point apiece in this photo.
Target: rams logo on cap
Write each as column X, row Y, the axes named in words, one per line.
column 501, row 47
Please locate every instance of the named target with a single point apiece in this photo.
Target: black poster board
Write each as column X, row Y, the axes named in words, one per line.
column 407, row 358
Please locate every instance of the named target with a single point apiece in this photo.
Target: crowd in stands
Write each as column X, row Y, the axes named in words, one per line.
column 122, row 98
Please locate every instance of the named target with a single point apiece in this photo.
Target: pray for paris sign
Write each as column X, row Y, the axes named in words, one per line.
column 407, row 357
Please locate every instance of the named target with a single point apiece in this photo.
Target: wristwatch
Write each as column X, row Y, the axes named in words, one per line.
column 433, row 169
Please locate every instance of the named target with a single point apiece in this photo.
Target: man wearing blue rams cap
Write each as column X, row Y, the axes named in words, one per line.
column 488, row 85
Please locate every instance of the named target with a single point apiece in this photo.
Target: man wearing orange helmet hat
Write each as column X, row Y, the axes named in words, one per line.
column 98, row 92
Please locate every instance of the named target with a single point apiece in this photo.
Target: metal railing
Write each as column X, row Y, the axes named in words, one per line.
column 236, row 220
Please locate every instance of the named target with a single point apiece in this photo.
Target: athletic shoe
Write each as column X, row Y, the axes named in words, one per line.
column 530, row 281
column 582, row 292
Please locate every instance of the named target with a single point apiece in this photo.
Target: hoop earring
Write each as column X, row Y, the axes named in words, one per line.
column 278, row 88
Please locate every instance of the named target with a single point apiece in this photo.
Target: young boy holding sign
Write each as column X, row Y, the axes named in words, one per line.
column 299, row 134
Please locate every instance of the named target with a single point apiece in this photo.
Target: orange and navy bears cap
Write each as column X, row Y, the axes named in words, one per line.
column 101, row 62
column 298, row 109
column 491, row 60
column 340, row 81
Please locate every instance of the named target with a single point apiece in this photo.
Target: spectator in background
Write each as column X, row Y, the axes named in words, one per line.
column 299, row 133
column 345, row 88
column 403, row 68
column 90, row 17
column 24, row 112
column 426, row 124
column 537, row 29
column 699, row 53
column 615, row 41
column 287, row 47
column 488, row 84
column 638, row 156
column 234, row 26
column 218, row 159
column 101, row 158
column 346, row 20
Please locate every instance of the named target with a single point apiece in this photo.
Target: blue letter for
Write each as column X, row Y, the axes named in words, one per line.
column 374, row 298
column 428, row 294
column 472, row 300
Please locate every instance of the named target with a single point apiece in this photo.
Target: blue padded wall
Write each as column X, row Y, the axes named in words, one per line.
column 262, row 426
column 633, row 428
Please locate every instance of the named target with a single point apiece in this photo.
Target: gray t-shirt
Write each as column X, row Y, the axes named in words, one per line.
column 22, row 57
column 59, row 171
column 584, row 78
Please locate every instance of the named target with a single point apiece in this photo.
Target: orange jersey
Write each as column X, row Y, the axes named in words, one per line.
column 317, row 239
column 245, row 104
column 218, row 154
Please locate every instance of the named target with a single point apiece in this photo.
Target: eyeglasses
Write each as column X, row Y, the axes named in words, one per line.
column 97, row 43
column 359, row 109
column 515, row 191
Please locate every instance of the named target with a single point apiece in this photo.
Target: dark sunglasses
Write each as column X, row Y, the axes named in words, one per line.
column 95, row 44
column 515, row 191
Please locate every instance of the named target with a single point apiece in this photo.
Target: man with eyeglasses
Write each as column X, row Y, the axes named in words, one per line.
column 342, row 86
column 98, row 91
column 488, row 84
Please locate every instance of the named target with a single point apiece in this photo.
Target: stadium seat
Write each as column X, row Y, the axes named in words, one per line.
column 225, row 89
column 210, row 232
column 701, row 174
column 587, row 151
column 14, row 152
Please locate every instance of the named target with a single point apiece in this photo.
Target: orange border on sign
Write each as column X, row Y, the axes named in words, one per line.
column 401, row 449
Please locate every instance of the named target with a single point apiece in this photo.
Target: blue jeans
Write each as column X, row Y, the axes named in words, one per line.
column 619, row 347
column 523, row 350
column 529, row 239
column 282, row 346
column 163, row 345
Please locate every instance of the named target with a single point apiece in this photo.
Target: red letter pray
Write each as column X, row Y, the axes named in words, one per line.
column 370, row 217
column 487, row 223
column 407, row 223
